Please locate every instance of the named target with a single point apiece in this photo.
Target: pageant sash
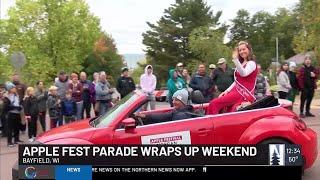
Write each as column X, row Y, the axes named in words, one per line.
column 243, row 91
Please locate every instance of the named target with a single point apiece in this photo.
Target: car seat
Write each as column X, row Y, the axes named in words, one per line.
column 198, row 98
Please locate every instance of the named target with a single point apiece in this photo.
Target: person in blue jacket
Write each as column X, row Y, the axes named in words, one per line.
column 68, row 109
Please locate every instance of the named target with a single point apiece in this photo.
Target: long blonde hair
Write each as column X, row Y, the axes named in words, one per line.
column 29, row 91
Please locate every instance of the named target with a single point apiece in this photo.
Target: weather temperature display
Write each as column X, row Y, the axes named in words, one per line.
column 285, row 155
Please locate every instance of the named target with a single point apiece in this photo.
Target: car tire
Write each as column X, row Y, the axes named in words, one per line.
column 275, row 141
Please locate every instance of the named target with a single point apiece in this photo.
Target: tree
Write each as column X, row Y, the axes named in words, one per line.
column 54, row 35
column 308, row 37
column 139, row 70
column 5, row 67
column 240, row 28
column 275, row 159
column 104, row 58
column 257, row 30
column 286, row 28
column 167, row 42
column 261, row 31
column 207, row 44
column 262, row 38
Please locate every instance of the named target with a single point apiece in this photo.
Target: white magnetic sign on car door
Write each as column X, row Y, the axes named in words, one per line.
column 181, row 137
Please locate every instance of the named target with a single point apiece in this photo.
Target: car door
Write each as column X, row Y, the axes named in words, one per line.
column 188, row 131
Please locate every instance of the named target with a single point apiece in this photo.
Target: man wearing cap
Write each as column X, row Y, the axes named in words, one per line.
column 222, row 76
column 125, row 83
column 181, row 110
column 179, row 69
column 212, row 67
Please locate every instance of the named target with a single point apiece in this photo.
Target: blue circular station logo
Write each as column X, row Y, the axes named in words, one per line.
column 30, row 172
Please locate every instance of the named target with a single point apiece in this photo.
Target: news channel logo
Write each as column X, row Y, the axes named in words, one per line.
column 30, row 172
column 276, row 154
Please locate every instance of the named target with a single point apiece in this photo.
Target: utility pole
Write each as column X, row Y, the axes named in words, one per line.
column 277, row 55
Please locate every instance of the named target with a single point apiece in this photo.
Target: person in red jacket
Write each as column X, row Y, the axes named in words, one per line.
column 307, row 80
column 242, row 89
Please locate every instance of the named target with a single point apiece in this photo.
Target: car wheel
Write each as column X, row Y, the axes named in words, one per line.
column 275, row 141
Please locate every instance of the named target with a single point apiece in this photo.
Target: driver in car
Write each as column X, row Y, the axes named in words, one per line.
column 181, row 110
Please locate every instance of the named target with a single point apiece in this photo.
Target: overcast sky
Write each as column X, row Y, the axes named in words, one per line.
column 126, row 20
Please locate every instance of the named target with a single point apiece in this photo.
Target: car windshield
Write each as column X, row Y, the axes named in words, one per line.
column 106, row 119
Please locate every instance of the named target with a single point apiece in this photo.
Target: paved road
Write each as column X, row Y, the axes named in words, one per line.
column 8, row 156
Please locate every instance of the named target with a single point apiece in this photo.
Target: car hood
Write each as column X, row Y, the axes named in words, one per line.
column 79, row 130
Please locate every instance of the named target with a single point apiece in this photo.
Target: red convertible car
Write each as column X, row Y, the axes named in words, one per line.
column 264, row 121
column 161, row 94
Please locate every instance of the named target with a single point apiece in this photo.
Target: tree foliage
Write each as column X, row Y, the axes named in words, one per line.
column 241, row 26
column 167, row 41
column 139, row 70
column 308, row 37
column 261, row 30
column 104, row 58
column 53, row 35
column 262, row 38
column 207, row 44
column 286, row 29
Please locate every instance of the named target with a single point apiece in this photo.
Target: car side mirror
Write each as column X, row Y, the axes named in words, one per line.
column 129, row 123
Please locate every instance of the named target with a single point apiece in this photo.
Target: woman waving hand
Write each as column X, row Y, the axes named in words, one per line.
column 242, row 89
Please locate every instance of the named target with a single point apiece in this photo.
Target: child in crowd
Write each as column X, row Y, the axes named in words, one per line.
column 68, row 108
column 30, row 104
column 53, row 105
